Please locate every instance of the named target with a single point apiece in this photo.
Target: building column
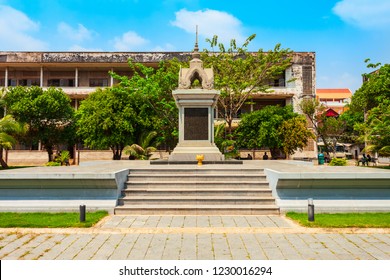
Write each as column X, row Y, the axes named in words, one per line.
column 76, row 78
column 111, row 78
column 41, row 78
column 76, row 104
column 6, row 77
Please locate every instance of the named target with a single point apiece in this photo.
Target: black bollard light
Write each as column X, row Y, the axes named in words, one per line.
column 310, row 210
column 82, row 213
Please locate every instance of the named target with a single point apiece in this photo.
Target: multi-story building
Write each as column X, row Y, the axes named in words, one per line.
column 80, row 73
column 334, row 98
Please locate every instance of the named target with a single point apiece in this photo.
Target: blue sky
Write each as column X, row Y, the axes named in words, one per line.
column 343, row 33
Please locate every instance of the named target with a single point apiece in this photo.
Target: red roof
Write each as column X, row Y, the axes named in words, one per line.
column 333, row 90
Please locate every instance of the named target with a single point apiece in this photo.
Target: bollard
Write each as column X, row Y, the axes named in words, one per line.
column 82, row 213
column 310, row 210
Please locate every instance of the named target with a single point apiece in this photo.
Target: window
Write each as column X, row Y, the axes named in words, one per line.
column 279, row 81
column 60, row 83
column 98, row 82
column 29, row 82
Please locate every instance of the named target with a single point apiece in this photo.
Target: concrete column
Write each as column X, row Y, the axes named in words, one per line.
column 76, row 78
column 6, row 77
column 41, row 78
column 76, row 104
column 111, row 78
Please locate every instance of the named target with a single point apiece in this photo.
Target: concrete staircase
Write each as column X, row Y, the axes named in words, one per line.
column 197, row 191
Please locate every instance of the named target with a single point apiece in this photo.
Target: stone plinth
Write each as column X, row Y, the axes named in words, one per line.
column 196, row 125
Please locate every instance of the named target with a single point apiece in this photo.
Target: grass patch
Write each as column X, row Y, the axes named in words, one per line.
column 49, row 220
column 343, row 220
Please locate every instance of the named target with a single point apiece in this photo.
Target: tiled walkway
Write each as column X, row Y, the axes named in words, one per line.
column 194, row 238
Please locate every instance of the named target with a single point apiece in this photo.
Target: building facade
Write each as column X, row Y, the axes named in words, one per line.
column 80, row 73
column 334, row 98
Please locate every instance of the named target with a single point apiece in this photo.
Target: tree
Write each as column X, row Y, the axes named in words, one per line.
column 8, row 128
column 109, row 118
column 239, row 73
column 272, row 127
column 155, row 86
column 48, row 114
column 376, row 129
column 375, row 89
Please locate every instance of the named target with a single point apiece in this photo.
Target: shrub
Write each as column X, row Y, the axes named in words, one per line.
column 338, row 162
column 53, row 163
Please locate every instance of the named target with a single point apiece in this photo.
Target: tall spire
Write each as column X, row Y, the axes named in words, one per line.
column 196, row 53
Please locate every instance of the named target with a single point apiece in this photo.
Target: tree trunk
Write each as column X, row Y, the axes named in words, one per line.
column 49, row 150
column 4, row 165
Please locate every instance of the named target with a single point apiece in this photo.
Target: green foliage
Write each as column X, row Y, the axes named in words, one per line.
column 374, row 91
column 49, row 220
column 145, row 146
column 372, row 99
column 273, row 127
column 53, row 163
column 239, row 73
column 63, row 158
column 343, row 220
column 154, row 87
column 329, row 129
column 48, row 114
column 110, row 118
column 338, row 162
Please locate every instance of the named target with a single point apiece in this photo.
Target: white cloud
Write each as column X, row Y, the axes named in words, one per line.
column 79, row 34
column 210, row 23
column 364, row 13
column 166, row 47
column 129, row 41
column 77, row 48
column 15, row 27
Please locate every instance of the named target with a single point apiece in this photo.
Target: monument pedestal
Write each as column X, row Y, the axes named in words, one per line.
column 196, row 125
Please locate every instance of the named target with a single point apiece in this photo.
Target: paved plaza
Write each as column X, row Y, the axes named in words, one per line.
column 195, row 238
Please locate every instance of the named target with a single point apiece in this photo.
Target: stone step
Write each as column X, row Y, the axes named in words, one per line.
column 197, row 171
column 196, row 200
column 203, row 184
column 196, row 178
column 197, row 210
column 197, row 191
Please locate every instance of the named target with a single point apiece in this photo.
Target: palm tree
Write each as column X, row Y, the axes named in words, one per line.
column 145, row 147
column 8, row 128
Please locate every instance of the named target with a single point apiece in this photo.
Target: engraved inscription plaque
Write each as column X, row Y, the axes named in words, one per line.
column 196, row 124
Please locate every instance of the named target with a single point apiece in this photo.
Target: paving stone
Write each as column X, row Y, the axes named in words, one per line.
column 152, row 221
column 14, row 245
column 178, row 221
column 202, row 221
column 123, row 249
column 266, row 221
column 188, row 247
column 106, row 250
column 204, row 247
column 140, row 247
column 156, row 247
column 253, row 247
column 126, row 222
column 228, row 221
column 221, row 247
column 97, row 240
column 77, row 246
column 20, row 253
column 253, row 221
column 189, row 221
column 241, row 221
column 172, row 247
column 215, row 221
column 237, row 247
column 44, row 247
column 59, row 247
column 165, row 222
column 113, row 222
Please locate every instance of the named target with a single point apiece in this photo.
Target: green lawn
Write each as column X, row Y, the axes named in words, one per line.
column 49, row 220
column 343, row 220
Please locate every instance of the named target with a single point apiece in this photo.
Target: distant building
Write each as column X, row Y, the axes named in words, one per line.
column 334, row 99
column 80, row 73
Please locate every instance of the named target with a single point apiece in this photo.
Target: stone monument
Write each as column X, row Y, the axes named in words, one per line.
column 196, row 103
